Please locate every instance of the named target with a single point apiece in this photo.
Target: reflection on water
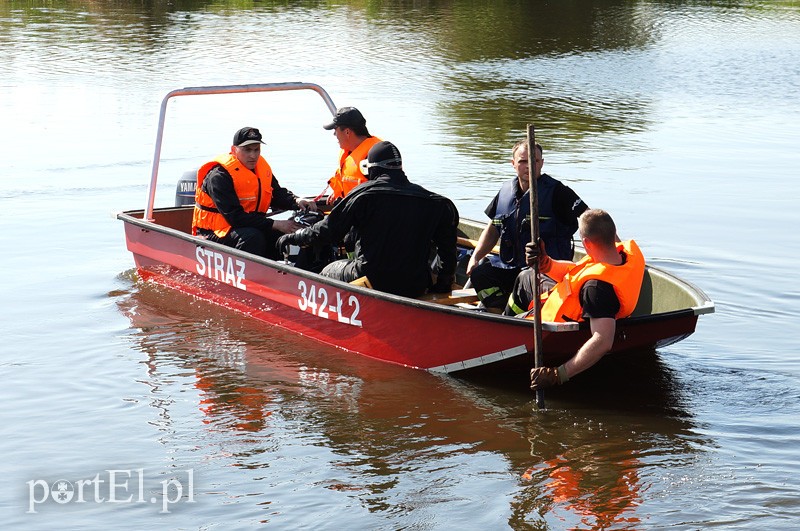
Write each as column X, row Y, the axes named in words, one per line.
column 525, row 69
column 399, row 437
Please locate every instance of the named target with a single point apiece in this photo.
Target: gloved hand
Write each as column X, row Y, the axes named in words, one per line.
column 283, row 243
column 545, row 377
column 534, row 253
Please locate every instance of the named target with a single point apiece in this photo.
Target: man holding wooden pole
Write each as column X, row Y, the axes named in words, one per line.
column 600, row 288
column 509, row 212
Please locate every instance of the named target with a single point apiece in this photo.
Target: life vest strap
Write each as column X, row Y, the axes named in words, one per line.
column 207, row 208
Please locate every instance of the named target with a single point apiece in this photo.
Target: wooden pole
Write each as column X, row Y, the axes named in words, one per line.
column 533, row 194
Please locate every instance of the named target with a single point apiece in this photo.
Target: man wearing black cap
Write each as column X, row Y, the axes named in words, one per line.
column 350, row 129
column 398, row 225
column 234, row 192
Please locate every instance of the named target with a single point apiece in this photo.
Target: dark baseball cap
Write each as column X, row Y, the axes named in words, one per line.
column 382, row 155
column 346, row 117
column 246, row 136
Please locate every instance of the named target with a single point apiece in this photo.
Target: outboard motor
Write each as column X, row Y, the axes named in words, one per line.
column 184, row 194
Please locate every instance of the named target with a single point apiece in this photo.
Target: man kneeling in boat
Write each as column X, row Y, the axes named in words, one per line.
column 398, row 224
column 601, row 288
column 234, row 192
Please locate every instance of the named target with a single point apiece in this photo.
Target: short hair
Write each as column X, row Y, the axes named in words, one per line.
column 597, row 225
column 524, row 141
column 359, row 130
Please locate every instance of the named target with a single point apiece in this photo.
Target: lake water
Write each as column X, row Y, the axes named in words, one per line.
column 129, row 406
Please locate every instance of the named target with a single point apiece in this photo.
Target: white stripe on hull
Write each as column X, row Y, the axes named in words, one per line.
column 480, row 360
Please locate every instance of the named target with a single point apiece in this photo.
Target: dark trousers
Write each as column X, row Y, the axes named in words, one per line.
column 522, row 293
column 493, row 284
column 250, row 240
column 344, row 270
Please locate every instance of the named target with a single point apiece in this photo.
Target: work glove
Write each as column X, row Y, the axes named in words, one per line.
column 534, row 253
column 283, row 243
column 545, row 377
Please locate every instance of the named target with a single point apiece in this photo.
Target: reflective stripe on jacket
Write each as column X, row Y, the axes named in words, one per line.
column 349, row 175
column 254, row 191
column 562, row 303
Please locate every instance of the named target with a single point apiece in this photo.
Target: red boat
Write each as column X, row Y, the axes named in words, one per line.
column 439, row 333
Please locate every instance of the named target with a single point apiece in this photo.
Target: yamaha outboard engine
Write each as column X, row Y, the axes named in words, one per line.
column 184, row 194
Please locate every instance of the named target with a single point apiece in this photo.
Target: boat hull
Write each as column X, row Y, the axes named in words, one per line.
column 394, row 329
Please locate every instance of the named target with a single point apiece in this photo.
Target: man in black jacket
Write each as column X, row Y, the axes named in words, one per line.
column 399, row 225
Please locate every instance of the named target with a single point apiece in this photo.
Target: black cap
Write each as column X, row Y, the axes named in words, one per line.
column 246, row 136
column 385, row 155
column 346, row 117
column 382, row 156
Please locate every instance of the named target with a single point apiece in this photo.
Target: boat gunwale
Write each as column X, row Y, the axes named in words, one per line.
column 704, row 304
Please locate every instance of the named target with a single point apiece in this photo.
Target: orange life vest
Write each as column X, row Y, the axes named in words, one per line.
column 349, row 175
column 562, row 303
column 254, row 191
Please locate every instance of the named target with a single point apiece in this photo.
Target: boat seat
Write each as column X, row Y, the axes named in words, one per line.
column 362, row 281
column 473, row 244
column 463, row 295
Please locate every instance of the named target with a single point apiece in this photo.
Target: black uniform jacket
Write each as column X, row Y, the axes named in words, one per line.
column 399, row 225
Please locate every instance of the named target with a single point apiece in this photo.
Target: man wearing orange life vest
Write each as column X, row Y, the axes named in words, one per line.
column 234, row 192
column 601, row 288
column 350, row 129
